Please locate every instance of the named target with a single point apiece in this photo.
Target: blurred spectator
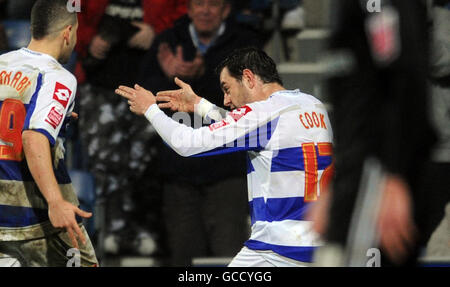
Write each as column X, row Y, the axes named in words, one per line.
column 113, row 37
column 165, row 12
column 293, row 18
column 205, row 205
column 19, row 9
column 437, row 178
column 3, row 39
column 379, row 98
column 120, row 27
column 261, row 17
column 14, row 10
column 2, row 10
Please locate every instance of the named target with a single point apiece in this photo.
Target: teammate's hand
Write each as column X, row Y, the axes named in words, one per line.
column 144, row 38
column 62, row 215
column 182, row 100
column 139, row 98
column 395, row 221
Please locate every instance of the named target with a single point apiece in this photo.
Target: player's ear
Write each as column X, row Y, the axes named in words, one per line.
column 66, row 34
column 248, row 78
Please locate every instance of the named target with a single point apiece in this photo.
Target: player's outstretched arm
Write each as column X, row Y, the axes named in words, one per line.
column 61, row 212
column 138, row 98
column 182, row 100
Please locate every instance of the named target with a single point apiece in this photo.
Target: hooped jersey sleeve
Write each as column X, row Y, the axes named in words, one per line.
column 241, row 130
column 51, row 104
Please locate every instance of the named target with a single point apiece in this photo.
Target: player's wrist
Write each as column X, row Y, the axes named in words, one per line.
column 152, row 111
column 54, row 200
column 202, row 107
column 197, row 100
column 150, row 103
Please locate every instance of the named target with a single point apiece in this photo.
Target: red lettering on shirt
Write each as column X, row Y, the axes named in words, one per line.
column 54, row 117
column 218, row 125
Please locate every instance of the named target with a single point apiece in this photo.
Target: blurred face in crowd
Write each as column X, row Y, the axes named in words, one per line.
column 207, row 15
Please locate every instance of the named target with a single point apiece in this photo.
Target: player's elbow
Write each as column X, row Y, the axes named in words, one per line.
column 184, row 152
column 27, row 138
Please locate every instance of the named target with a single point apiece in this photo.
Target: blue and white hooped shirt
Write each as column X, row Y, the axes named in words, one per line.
column 36, row 93
column 288, row 139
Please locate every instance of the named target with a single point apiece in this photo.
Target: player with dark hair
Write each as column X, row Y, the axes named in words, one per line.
column 255, row 61
column 287, row 136
column 38, row 205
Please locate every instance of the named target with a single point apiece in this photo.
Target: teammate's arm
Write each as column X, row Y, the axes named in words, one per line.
column 61, row 213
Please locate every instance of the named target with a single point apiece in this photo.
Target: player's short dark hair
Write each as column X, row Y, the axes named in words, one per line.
column 254, row 59
column 49, row 16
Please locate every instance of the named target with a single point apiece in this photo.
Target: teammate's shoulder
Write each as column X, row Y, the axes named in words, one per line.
column 9, row 56
column 46, row 62
column 67, row 75
column 56, row 71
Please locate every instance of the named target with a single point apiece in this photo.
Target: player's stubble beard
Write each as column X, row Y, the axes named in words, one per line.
column 242, row 97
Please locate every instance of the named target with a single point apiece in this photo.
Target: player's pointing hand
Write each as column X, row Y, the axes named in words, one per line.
column 139, row 98
column 182, row 100
column 62, row 215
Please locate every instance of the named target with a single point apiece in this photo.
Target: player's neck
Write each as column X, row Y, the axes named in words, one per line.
column 269, row 89
column 44, row 47
column 264, row 91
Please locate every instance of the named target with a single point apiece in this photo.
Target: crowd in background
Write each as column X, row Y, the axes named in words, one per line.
column 156, row 202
